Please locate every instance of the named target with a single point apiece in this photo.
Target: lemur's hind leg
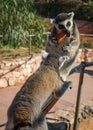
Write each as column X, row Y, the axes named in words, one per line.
column 41, row 124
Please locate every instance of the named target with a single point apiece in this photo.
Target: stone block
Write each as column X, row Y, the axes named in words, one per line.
column 19, row 69
column 25, row 72
column 12, row 81
column 16, row 74
column 3, row 83
column 21, row 80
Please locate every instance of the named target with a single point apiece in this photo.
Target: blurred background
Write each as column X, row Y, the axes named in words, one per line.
column 24, row 23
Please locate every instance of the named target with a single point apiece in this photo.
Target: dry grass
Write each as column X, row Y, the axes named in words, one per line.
column 8, row 54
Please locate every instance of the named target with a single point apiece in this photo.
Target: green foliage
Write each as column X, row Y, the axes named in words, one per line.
column 87, row 45
column 18, row 20
column 82, row 10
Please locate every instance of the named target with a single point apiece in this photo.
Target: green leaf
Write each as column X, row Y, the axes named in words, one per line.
column 15, row 2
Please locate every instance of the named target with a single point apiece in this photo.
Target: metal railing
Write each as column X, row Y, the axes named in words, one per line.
column 80, row 67
column 1, row 35
column 52, row 100
column 45, row 33
column 34, row 35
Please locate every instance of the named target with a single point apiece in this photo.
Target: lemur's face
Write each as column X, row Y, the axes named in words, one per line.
column 64, row 22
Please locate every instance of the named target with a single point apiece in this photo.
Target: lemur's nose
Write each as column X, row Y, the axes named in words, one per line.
column 67, row 33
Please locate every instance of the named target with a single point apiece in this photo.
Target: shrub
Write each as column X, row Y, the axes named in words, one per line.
column 86, row 45
column 18, row 20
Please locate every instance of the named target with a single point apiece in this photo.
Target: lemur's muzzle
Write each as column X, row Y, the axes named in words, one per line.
column 63, row 29
column 67, row 33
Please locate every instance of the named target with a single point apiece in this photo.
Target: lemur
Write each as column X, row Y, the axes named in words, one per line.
column 25, row 111
column 64, row 26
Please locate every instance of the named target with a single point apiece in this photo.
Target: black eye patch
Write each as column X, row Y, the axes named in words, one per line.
column 61, row 26
column 68, row 24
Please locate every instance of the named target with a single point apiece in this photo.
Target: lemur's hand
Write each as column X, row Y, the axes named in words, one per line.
column 62, row 60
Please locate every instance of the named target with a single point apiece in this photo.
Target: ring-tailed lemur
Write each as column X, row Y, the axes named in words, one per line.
column 64, row 23
column 25, row 112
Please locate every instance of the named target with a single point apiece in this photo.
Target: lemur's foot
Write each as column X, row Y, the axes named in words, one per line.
column 63, row 88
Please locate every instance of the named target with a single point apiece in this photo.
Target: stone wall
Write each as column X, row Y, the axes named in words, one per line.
column 85, row 55
column 18, row 70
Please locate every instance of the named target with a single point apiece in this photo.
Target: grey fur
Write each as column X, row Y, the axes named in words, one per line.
column 25, row 111
column 69, row 45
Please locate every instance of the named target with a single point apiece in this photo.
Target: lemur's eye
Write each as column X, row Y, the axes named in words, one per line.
column 61, row 26
column 68, row 24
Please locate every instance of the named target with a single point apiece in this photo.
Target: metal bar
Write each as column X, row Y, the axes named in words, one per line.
column 52, row 100
column 1, row 35
column 45, row 33
column 30, row 45
column 89, row 35
column 33, row 35
column 80, row 66
column 75, row 127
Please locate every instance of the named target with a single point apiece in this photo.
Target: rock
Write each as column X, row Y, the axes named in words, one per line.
column 3, row 83
column 19, row 69
column 16, row 74
column 12, row 81
column 21, row 79
column 25, row 72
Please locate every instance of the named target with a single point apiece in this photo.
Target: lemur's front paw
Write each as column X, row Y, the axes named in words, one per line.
column 44, row 54
column 62, row 60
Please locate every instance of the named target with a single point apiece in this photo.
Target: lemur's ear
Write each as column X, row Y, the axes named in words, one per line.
column 54, row 21
column 71, row 14
column 51, row 21
column 44, row 54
